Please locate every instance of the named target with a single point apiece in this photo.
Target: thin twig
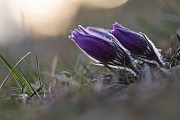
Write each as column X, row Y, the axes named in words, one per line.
column 174, row 55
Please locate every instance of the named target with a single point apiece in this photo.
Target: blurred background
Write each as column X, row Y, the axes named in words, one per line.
column 43, row 26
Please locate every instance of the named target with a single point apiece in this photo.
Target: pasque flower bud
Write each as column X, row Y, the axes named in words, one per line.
column 101, row 46
column 138, row 44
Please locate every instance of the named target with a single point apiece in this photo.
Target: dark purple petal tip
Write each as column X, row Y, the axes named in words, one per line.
column 82, row 29
column 116, row 25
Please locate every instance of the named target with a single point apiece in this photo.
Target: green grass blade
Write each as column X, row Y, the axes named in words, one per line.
column 15, row 73
column 39, row 74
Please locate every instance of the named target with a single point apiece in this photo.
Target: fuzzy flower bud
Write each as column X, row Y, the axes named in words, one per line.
column 101, row 46
column 138, row 44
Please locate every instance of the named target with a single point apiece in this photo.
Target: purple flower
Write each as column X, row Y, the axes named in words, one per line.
column 137, row 43
column 101, row 45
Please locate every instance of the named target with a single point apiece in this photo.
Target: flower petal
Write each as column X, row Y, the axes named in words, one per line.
column 94, row 46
